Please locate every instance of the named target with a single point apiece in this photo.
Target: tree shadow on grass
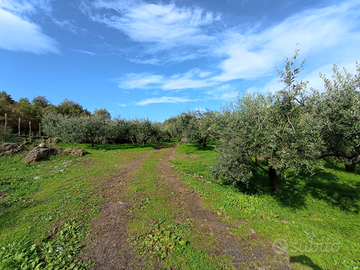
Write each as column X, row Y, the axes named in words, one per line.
column 199, row 147
column 305, row 260
column 294, row 190
column 339, row 167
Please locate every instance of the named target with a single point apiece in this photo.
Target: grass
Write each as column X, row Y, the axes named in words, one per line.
column 46, row 208
column 317, row 216
column 161, row 233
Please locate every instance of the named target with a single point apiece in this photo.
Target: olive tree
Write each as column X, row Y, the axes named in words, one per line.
column 173, row 128
column 117, row 130
column 145, row 130
column 195, row 125
column 277, row 133
column 74, row 129
column 339, row 106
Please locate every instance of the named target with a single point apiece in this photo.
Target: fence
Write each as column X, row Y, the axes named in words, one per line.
column 27, row 132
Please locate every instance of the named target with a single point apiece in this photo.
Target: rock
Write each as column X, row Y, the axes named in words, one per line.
column 11, row 149
column 42, row 145
column 26, row 142
column 53, row 141
column 76, row 152
column 39, row 153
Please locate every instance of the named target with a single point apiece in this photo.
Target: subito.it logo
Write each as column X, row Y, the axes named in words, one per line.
column 280, row 246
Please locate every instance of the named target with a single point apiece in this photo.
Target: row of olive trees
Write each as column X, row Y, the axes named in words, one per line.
column 194, row 126
column 99, row 127
column 292, row 130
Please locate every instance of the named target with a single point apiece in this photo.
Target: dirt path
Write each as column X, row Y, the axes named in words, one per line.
column 110, row 249
column 209, row 223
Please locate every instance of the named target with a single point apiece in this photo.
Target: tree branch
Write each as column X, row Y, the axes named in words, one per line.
column 257, row 164
column 290, row 123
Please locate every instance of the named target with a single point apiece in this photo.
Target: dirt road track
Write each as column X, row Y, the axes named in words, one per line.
column 109, row 247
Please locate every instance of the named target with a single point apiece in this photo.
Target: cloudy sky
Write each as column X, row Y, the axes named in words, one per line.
column 157, row 58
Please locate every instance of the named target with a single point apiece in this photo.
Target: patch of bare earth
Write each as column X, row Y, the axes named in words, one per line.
column 108, row 245
column 257, row 255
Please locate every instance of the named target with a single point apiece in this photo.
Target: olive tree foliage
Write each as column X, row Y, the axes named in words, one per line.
column 339, row 106
column 74, row 129
column 172, row 127
column 196, row 125
column 145, row 130
column 161, row 132
column 133, row 130
column 278, row 133
column 117, row 130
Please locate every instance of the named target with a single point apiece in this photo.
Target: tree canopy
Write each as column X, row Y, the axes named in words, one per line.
column 278, row 133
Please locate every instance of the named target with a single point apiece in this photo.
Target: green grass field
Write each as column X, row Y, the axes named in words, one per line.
column 317, row 216
column 46, row 210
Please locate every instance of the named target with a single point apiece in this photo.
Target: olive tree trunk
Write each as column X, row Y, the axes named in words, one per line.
column 274, row 183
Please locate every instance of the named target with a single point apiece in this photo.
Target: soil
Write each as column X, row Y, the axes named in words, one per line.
column 109, row 247
column 209, row 223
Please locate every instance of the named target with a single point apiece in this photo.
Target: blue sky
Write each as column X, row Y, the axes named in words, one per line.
column 157, row 58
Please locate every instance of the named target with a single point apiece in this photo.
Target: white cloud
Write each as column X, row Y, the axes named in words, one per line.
column 204, row 74
column 85, row 52
column 165, row 33
column 23, row 8
column 200, row 109
column 223, row 92
column 69, row 25
column 122, row 105
column 189, row 80
column 318, row 31
column 139, row 81
column 316, row 82
column 163, row 100
column 313, row 78
column 17, row 34
column 164, row 24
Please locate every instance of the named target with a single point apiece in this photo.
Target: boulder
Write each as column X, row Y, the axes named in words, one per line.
column 76, row 152
column 26, row 142
column 53, row 141
column 39, row 153
column 11, row 148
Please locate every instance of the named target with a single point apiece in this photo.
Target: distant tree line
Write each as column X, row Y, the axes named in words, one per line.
column 34, row 112
column 99, row 128
column 284, row 133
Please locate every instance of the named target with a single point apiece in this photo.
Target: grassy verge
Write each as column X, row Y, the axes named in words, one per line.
column 316, row 216
column 161, row 232
column 46, row 208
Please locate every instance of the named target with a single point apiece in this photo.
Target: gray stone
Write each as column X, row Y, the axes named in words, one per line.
column 76, row 152
column 11, row 149
column 39, row 153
